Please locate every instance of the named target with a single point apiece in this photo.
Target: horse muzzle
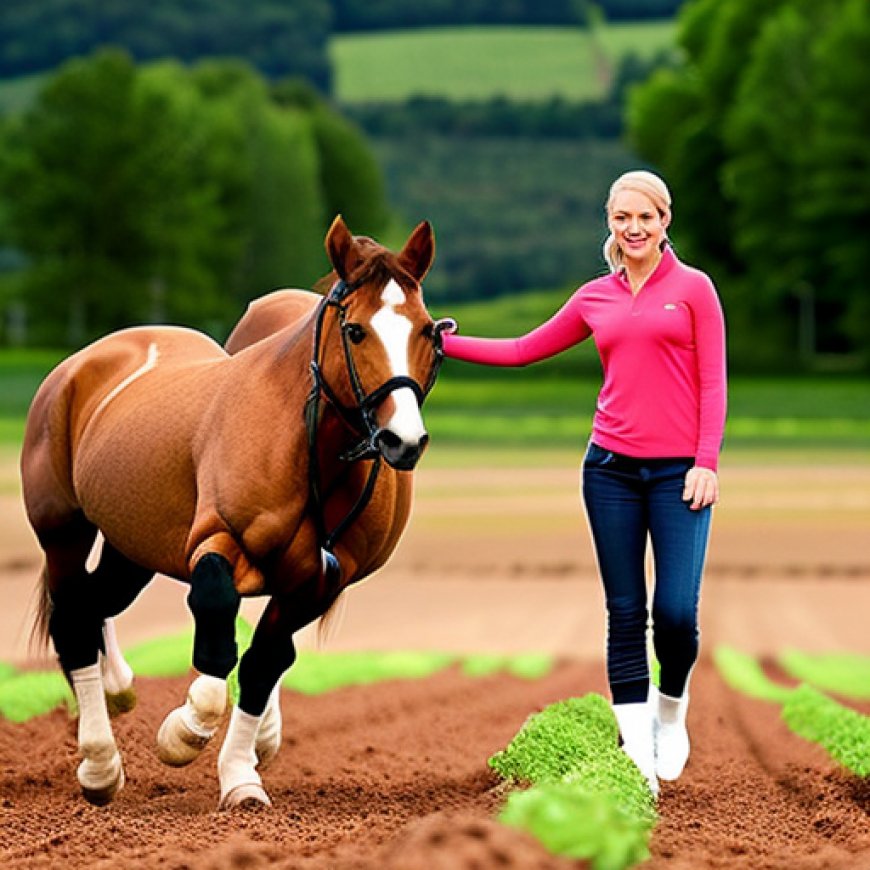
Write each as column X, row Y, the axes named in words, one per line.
column 400, row 453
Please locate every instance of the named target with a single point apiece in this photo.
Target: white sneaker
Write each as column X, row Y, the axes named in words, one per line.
column 671, row 736
column 636, row 727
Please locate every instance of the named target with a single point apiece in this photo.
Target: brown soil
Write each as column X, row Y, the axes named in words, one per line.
column 394, row 776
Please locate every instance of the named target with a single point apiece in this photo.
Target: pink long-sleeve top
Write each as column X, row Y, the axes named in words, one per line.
column 662, row 353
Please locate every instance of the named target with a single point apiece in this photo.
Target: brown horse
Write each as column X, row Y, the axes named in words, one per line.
column 281, row 470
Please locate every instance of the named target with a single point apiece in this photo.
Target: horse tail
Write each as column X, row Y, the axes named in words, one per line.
column 329, row 623
column 39, row 634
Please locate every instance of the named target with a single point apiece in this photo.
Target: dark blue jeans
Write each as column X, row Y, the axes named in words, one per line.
column 629, row 500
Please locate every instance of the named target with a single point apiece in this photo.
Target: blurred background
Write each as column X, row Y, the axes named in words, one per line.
column 169, row 160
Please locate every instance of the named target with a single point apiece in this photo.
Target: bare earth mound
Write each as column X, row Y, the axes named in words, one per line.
column 395, row 776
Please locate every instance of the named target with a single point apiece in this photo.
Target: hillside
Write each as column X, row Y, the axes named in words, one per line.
column 461, row 63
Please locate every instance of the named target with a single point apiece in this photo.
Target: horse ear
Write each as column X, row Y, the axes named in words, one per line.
column 341, row 248
column 419, row 251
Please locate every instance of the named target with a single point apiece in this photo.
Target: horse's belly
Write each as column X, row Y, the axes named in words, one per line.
column 140, row 495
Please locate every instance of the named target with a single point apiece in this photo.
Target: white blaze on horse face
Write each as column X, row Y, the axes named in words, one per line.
column 394, row 330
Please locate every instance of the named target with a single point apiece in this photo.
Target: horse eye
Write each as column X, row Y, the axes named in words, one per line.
column 428, row 330
column 355, row 332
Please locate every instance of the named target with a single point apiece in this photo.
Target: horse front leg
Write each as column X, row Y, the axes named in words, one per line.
column 254, row 734
column 214, row 603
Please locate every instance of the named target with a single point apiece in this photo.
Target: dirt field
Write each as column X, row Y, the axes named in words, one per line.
column 395, row 776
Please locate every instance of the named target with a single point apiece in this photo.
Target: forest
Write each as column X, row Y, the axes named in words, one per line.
column 756, row 118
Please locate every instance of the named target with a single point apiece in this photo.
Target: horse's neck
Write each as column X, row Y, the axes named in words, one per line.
column 282, row 362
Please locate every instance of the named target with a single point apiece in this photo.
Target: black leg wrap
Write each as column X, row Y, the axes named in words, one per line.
column 214, row 602
column 75, row 626
column 117, row 581
column 261, row 667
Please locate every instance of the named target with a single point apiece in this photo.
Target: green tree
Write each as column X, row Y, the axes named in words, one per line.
column 159, row 194
column 350, row 176
column 283, row 214
column 836, row 204
column 279, row 39
column 103, row 180
column 762, row 136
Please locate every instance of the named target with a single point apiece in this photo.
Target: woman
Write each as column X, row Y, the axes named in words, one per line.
column 650, row 470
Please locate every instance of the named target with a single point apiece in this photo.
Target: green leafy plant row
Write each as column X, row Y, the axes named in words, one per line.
column 844, row 733
column 843, row 674
column 24, row 695
column 587, row 799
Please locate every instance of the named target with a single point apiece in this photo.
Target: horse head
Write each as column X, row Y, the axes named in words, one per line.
column 379, row 349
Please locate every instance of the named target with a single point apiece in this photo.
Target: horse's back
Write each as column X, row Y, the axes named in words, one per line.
column 87, row 379
column 269, row 314
column 80, row 389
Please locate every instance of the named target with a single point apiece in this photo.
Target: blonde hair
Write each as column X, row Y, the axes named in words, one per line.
column 650, row 185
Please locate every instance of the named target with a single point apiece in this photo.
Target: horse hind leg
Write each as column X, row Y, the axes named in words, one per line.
column 116, row 582
column 117, row 674
column 73, row 621
column 100, row 774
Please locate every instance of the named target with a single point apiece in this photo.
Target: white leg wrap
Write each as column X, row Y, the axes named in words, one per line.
column 117, row 674
column 636, row 727
column 237, row 763
column 672, row 737
column 269, row 733
column 100, row 774
column 186, row 731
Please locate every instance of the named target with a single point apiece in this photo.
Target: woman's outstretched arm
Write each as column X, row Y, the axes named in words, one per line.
column 563, row 330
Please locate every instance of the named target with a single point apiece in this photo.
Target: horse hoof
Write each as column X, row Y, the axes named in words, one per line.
column 177, row 745
column 120, row 702
column 100, row 794
column 250, row 796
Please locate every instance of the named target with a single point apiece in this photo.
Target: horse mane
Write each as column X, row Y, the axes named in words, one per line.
column 379, row 265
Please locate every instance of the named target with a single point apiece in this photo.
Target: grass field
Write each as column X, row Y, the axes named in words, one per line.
column 551, row 408
column 523, row 63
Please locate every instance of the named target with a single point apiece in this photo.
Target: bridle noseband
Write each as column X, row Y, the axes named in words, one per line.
column 359, row 418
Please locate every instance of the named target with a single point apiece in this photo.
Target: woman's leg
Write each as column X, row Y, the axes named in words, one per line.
column 616, row 509
column 679, row 536
column 679, row 540
column 613, row 492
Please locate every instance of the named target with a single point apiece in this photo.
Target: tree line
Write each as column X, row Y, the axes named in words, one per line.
column 279, row 39
column 165, row 193
column 765, row 149
column 359, row 15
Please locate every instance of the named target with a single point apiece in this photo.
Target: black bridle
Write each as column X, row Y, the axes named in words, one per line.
column 359, row 418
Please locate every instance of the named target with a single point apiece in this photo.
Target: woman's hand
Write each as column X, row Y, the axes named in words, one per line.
column 701, row 488
column 446, row 324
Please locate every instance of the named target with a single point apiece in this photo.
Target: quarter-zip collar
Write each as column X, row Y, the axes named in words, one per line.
column 665, row 264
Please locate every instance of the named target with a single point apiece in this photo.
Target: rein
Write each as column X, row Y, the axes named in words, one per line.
column 359, row 418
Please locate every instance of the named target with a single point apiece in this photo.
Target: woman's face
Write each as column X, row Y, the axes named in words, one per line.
column 637, row 226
